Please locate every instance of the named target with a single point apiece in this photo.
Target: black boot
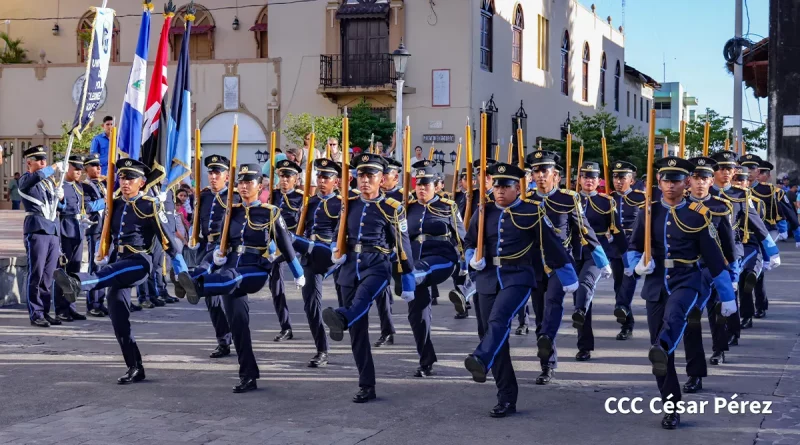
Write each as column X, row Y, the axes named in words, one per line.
column 190, row 287
column 670, row 421
column 621, row 312
column 747, row 322
column 384, row 340
column 546, row 376
column 578, row 318
column 220, row 351
column 319, row 361
column 522, row 330
column 624, row 334
column 503, row 409
column 545, row 345
column 476, row 367
column 424, row 371
column 717, row 358
column 693, row 385
column 336, row 322
column 245, row 384
column 583, row 356
column 134, row 374
column 658, row 358
column 284, row 335
column 364, row 394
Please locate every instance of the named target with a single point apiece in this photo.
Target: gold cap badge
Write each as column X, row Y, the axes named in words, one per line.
column 501, row 169
column 672, row 163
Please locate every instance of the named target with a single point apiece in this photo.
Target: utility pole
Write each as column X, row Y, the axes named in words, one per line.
column 737, row 73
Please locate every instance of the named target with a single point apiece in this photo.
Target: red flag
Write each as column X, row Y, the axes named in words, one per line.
column 151, row 146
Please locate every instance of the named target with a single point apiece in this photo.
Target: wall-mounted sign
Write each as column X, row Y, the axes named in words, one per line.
column 439, row 138
column 435, row 125
column 441, row 88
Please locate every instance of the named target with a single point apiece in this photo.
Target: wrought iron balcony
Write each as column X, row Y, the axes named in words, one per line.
column 338, row 71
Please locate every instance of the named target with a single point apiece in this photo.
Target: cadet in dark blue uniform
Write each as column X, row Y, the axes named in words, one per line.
column 682, row 234
column 153, row 292
column 464, row 289
column 628, row 202
column 436, row 231
column 514, row 239
column 212, row 207
column 72, row 211
column 136, row 226
column 245, row 267
column 601, row 214
column 94, row 190
column 40, row 198
column 375, row 225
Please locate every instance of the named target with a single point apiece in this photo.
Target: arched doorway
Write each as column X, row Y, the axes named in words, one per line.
column 217, row 133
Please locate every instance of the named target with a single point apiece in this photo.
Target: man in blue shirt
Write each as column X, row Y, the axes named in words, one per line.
column 100, row 144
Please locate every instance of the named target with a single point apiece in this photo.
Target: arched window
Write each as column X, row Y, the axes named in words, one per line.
column 616, row 87
column 487, row 13
column 201, row 42
column 565, row 64
column 585, row 90
column 516, row 44
column 84, row 33
column 603, row 80
column 260, row 31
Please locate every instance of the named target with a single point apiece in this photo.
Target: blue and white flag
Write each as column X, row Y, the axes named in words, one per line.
column 130, row 125
column 179, row 153
column 96, row 69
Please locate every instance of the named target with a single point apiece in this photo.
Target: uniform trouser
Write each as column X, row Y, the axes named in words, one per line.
column 436, row 270
column 214, row 303
column 666, row 319
column 693, row 340
column 384, row 304
column 148, row 290
column 277, row 289
column 751, row 263
column 43, row 252
column 548, row 308
column 233, row 285
column 497, row 312
column 94, row 298
column 762, row 303
column 624, row 290
column 588, row 276
column 119, row 277
column 358, row 298
column 312, row 305
column 72, row 249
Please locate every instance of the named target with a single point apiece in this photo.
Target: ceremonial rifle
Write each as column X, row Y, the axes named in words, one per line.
column 521, row 158
column 578, row 175
column 468, row 208
column 568, row 165
column 344, row 187
column 605, row 160
column 407, row 162
column 682, row 143
column 457, row 169
column 301, row 225
column 481, row 189
column 273, row 137
column 226, row 227
column 648, row 216
column 706, row 136
column 105, row 236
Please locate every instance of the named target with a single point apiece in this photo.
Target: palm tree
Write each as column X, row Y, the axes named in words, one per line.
column 14, row 52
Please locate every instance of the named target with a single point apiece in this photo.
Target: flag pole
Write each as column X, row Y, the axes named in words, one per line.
column 196, row 217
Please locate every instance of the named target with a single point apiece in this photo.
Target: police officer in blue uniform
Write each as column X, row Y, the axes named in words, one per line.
column 40, row 197
column 436, row 231
column 245, row 267
column 375, row 226
column 601, row 213
column 516, row 235
column 94, row 190
column 628, row 201
column 137, row 224
column 682, row 234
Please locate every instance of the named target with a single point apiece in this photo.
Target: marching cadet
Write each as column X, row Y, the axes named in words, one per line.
column 136, row 225
column 514, row 239
column 40, row 197
column 600, row 212
column 463, row 288
column 212, row 206
column 721, row 213
column 94, row 190
column 375, row 225
column 436, row 232
column 461, row 194
column 290, row 202
column 564, row 210
column 72, row 213
column 154, row 291
column 629, row 202
column 682, row 234
column 245, row 267
column 391, row 179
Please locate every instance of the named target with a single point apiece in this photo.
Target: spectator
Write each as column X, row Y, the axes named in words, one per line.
column 417, row 155
column 183, row 225
column 13, row 192
column 336, row 154
column 100, row 144
column 266, row 173
column 307, row 141
column 296, row 155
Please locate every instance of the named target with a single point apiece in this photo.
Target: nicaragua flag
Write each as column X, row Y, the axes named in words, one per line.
column 130, row 126
column 180, row 119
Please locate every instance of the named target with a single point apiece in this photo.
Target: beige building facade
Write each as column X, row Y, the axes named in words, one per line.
column 556, row 58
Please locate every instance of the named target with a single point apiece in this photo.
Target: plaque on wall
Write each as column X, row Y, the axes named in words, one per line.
column 230, row 92
column 439, row 138
column 441, row 88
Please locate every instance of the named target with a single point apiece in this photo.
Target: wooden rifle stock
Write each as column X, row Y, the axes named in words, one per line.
column 226, row 227
column 105, row 235
column 196, row 217
column 344, row 187
column 651, row 148
column 301, row 224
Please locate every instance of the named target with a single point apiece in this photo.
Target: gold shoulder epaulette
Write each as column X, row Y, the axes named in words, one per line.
column 605, row 196
column 393, row 202
column 699, row 208
column 265, row 205
column 727, row 202
column 532, row 201
column 149, row 198
column 447, row 201
column 569, row 192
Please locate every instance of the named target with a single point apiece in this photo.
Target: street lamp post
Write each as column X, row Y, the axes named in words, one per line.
column 400, row 57
column 438, row 158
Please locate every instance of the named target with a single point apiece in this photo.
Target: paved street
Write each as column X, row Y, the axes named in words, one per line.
column 58, row 385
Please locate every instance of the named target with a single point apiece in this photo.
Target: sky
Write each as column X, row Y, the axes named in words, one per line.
column 689, row 35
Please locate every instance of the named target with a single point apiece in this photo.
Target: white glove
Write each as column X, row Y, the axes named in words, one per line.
column 86, row 223
column 60, row 193
column 728, row 307
column 774, row 262
column 338, row 261
column 606, row 272
column 272, row 257
column 782, row 236
column 477, row 265
column 407, row 296
column 642, row 270
column 101, row 263
column 219, row 258
column 162, row 196
column 418, row 278
column 797, row 245
column 60, row 166
column 300, row 282
column 193, row 247
column 570, row 288
column 735, row 286
column 310, row 247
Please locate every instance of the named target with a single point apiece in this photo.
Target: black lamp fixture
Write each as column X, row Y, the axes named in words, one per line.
column 235, row 24
column 261, row 156
column 438, row 158
column 400, row 57
column 56, row 29
column 565, row 128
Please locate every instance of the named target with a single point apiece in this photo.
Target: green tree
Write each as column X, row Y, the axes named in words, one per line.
column 79, row 146
column 364, row 123
column 296, row 127
column 14, row 52
column 755, row 139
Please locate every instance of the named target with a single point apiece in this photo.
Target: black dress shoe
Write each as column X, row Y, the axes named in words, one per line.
column 66, row 318
column 658, row 358
column 40, row 322
column 384, row 340
column 159, row 302
column 104, row 309
column 670, row 421
column 733, row 340
column 134, row 308
column 364, row 394
column 180, row 292
column 695, row 315
column 621, row 313
column 245, row 384
column 336, row 322
column 522, row 330
column 462, row 315
column 693, row 385
column 77, row 316
column 503, row 409
column 69, row 285
column 624, row 334
column 170, row 299
column 475, row 367
column 192, row 289
column 220, row 351
column 95, row 312
column 747, row 323
column 717, row 358
column 424, row 371
column 434, row 302
column 761, row 313
column 747, row 282
column 134, row 374
column 52, row 321
column 583, row 356
column 546, row 376
column 319, row 361
column 545, row 345
column 469, row 305
column 459, row 302
column 284, row 335
column 578, row 318
column 147, row 304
